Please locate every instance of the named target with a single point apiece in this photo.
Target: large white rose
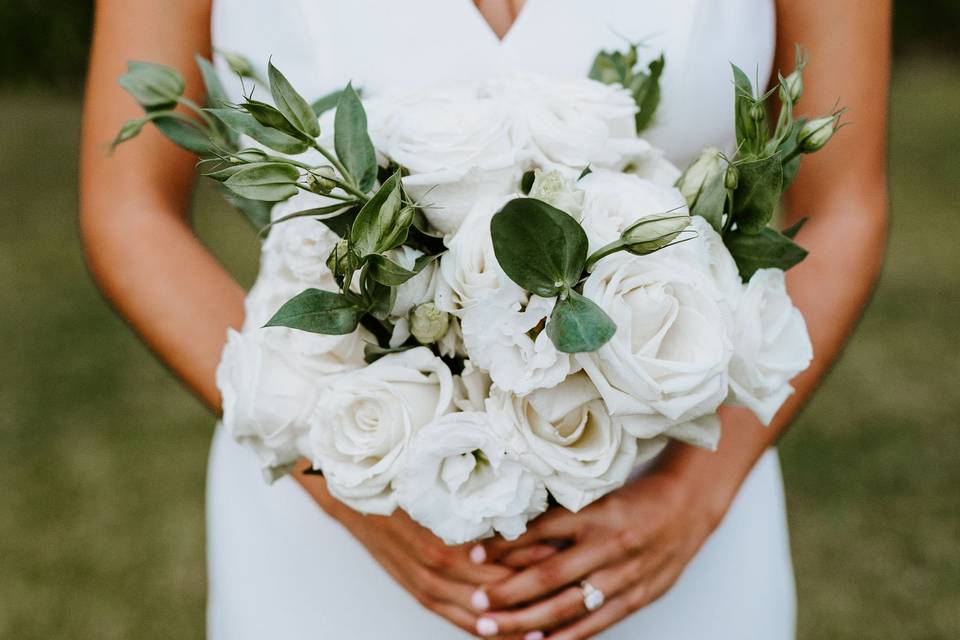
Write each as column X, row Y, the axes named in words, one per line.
column 569, row 122
column 615, row 200
column 567, row 436
column 667, row 363
column 361, row 429
column 770, row 345
column 268, row 396
column 457, row 148
column 461, row 482
column 499, row 339
column 470, row 273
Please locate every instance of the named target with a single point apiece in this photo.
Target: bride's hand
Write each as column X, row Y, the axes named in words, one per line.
column 440, row 577
column 632, row 545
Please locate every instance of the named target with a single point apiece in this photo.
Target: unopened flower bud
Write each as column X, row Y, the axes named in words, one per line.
column 705, row 167
column 559, row 191
column 428, row 323
column 341, row 260
column 758, row 111
column 239, row 64
column 653, row 233
column 320, row 180
column 792, row 87
column 732, row 178
column 817, row 132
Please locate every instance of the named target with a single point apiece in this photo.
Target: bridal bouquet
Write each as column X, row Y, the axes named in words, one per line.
column 481, row 295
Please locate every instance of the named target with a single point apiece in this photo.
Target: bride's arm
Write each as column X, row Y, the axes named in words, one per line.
column 635, row 544
column 146, row 259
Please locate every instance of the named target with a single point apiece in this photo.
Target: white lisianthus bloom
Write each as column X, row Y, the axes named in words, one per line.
column 770, row 345
column 571, row 122
column 567, row 437
column 614, row 201
column 510, row 343
column 470, row 273
column 560, row 191
column 456, row 146
column 361, row 430
column 268, row 396
column 462, row 483
column 471, row 388
column 667, row 363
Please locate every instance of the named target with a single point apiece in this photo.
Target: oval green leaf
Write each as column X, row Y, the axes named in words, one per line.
column 318, row 311
column 578, row 325
column 351, row 140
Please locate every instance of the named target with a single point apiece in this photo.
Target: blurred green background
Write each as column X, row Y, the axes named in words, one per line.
column 102, row 453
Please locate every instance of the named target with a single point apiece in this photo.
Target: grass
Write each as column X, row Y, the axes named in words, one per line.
column 102, row 454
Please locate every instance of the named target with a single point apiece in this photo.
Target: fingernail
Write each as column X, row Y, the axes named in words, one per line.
column 534, row 635
column 480, row 601
column 478, row 555
column 487, row 627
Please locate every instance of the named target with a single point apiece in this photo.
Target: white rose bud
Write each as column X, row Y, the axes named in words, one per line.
column 559, row 191
column 792, row 87
column 653, row 233
column 428, row 323
column 706, row 166
column 817, row 132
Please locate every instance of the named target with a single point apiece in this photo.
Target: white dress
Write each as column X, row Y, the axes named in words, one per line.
column 279, row 567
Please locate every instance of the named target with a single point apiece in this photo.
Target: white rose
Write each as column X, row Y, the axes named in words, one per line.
column 667, row 363
column 268, row 396
column 361, row 429
column 470, row 273
column 560, row 191
column 574, row 123
column 462, row 484
column 614, row 201
column 568, row 437
column 457, row 148
column 498, row 340
column 770, row 345
column 302, row 246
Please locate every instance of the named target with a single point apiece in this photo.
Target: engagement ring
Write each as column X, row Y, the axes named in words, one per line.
column 593, row 598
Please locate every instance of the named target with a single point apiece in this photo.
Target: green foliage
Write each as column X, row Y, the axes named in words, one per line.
column 153, row 86
column 620, row 67
column 387, row 272
column 758, row 193
column 767, row 249
column 244, row 123
column 267, row 181
column 352, row 142
column 712, row 200
column 380, row 226
column 578, row 325
column 295, row 109
column 318, row 311
column 538, row 246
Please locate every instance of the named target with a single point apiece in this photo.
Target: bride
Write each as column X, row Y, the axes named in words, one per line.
column 695, row 547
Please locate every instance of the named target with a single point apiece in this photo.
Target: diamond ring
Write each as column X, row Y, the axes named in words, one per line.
column 593, row 598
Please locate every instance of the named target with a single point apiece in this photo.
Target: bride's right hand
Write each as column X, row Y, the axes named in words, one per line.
column 442, row 578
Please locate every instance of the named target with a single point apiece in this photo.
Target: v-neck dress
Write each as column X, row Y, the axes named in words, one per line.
column 278, row 566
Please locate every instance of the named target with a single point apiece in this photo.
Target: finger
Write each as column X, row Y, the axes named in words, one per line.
column 523, row 558
column 555, row 524
column 455, row 563
column 442, row 589
column 463, row 619
column 569, row 604
column 619, row 607
column 550, row 575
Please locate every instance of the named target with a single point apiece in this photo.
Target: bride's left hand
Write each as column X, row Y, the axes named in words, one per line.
column 632, row 545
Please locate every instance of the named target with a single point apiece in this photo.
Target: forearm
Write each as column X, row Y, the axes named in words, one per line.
column 169, row 288
column 831, row 288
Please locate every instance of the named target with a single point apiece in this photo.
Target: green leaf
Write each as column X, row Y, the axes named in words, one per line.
column 647, row 94
column 387, row 272
column 578, row 325
column 792, row 231
column 291, row 104
column 154, row 86
column 216, row 96
column 268, row 181
column 538, row 246
column 767, row 249
column 526, row 181
column 758, row 193
column 272, row 118
column 222, row 175
column 256, row 212
column 318, row 311
column 351, row 140
column 244, row 123
column 743, row 102
column 378, row 298
column 376, row 223
column 711, row 200
column 327, row 102
column 183, row 132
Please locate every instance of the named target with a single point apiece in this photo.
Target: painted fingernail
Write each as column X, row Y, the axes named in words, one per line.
column 480, row 601
column 478, row 555
column 534, row 635
column 487, row 627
